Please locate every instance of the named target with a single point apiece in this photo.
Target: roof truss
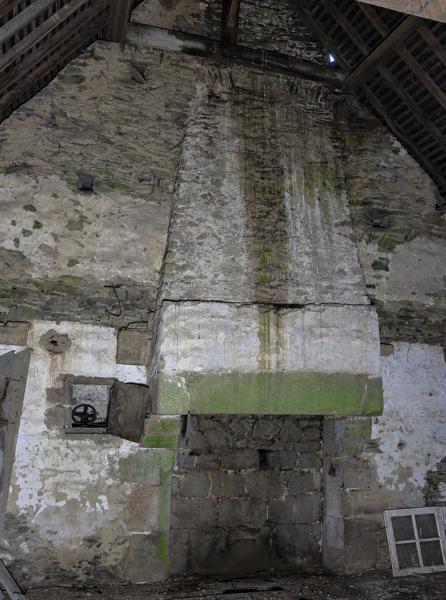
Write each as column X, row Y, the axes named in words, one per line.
column 397, row 65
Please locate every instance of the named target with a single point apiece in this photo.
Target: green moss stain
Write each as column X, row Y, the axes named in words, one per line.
column 172, row 395
column 338, row 394
column 357, row 434
column 162, row 547
column 161, row 432
column 265, row 258
column 11, row 294
column 159, row 441
column 380, row 264
column 72, row 280
column 388, row 243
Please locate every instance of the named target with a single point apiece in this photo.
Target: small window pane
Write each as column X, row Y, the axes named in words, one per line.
column 427, row 526
column 407, row 556
column 431, row 553
column 403, row 528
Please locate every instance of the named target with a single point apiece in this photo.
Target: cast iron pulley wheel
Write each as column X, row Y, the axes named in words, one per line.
column 84, row 414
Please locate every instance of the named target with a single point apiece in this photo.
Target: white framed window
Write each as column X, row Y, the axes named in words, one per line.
column 416, row 540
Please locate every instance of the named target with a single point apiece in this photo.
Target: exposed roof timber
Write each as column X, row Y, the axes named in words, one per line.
column 376, row 57
column 37, row 40
column 230, row 18
column 61, row 53
column 39, row 33
column 164, row 39
column 405, row 85
column 118, row 20
column 429, row 9
column 393, row 83
column 399, row 134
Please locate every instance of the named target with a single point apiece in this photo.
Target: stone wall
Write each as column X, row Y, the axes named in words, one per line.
column 87, row 171
column 88, row 506
column 247, row 495
column 401, row 237
column 391, row 461
column 257, row 226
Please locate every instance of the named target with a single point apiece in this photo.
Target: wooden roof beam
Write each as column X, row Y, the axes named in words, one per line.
column 196, row 45
column 230, row 18
column 429, row 9
column 119, row 17
column 379, row 54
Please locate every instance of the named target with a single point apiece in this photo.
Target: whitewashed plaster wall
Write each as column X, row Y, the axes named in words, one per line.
column 411, row 433
column 75, row 501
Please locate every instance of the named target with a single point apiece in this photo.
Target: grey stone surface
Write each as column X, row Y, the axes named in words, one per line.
column 304, row 508
column 195, row 485
column 244, row 459
column 229, row 484
column 263, row 509
column 92, row 257
column 143, row 563
column 299, row 483
column 247, row 512
column 193, row 513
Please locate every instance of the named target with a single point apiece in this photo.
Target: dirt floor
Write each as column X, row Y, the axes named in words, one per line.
column 267, row 587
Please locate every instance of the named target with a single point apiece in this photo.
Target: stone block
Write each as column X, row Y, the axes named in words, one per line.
column 207, row 551
column 282, row 459
column 217, row 438
column 266, row 429
column 184, row 462
column 363, row 548
column 309, row 461
column 230, row 485
column 265, row 484
column 143, row 508
column 291, row 431
column 147, row 558
column 239, row 459
column 311, row 433
column 195, row 485
column 308, row 446
column 242, row 512
column 193, row 513
column 145, row 466
column 14, row 334
column 300, row 483
column 297, row 546
column 133, row 347
column 179, row 546
column 196, row 441
column 247, row 551
column 208, row 461
column 306, row 508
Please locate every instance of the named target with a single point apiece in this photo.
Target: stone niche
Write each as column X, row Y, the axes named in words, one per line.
column 247, row 495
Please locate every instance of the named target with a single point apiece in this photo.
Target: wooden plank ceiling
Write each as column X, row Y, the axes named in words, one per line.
column 395, row 62
column 39, row 37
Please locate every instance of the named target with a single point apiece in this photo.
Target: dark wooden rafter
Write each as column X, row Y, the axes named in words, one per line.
column 118, row 20
column 188, row 43
column 230, row 19
column 38, row 38
column 397, row 65
column 376, row 57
